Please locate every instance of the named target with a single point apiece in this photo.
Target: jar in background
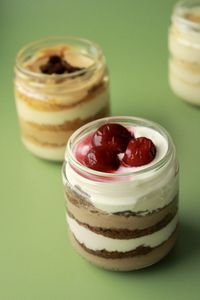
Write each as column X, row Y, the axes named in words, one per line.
column 127, row 219
column 184, row 48
column 61, row 83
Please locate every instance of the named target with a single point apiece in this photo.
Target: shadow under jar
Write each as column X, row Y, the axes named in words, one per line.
column 184, row 48
column 61, row 83
column 126, row 219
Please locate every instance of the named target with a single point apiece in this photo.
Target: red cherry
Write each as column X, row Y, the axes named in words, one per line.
column 113, row 135
column 140, row 151
column 102, row 159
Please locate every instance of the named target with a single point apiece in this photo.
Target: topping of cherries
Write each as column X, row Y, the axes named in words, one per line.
column 102, row 159
column 112, row 135
column 111, row 139
column 140, row 151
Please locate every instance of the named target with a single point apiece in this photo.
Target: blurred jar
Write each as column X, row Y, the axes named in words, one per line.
column 184, row 47
column 61, row 83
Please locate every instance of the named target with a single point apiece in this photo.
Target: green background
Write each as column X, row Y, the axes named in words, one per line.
column 36, row 259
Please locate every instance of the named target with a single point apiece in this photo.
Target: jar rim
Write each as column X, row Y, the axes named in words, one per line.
column 70, row 157
column 63, row 39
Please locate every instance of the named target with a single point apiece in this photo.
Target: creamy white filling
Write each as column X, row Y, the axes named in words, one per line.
column 146, row 193
column 81, row 111
column 96, row 241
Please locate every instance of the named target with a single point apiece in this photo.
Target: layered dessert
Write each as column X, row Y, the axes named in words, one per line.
column 60, row 84
column 121, row 190
column 184, row 47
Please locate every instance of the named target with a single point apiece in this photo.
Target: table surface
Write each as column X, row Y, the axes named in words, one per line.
column 36, row 259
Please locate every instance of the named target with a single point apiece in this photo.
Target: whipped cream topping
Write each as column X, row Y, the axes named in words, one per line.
column 96, row 241
column 141, row 193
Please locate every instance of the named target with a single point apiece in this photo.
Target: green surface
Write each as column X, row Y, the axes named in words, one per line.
column 36, row 259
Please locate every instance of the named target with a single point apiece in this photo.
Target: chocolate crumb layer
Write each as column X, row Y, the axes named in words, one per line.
column 141, row 250
column 125, row 234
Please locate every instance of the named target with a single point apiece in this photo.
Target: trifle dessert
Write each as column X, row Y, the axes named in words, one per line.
column 60, row 84
column 120, row 179
column 184, row 48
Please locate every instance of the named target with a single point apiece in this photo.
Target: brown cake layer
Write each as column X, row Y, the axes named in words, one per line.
column 90, row 215
column 125, row 263
column 117, row 233
column 56, row 104
column 55, row 135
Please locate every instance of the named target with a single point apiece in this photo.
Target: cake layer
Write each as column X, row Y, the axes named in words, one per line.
column 86, row 213
column 184, row 89
column 56, row 134
column 126, row 263
column 184, row 45
column 188, row 72
column 45, row 151
column 35, row 106
column 123, row 233
column 98, row 242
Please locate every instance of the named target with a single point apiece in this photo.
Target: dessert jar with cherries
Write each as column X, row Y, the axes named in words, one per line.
column 61, row 83
column 120, row 179
column 184, row 48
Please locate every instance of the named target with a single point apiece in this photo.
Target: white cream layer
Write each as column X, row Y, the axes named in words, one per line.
column 142, row 194
column 96, row 241
column 81, row 111
column 50, row 153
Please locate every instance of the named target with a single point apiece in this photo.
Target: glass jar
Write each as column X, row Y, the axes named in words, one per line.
column 124, row 220
column 52, row 103
column 184, row 48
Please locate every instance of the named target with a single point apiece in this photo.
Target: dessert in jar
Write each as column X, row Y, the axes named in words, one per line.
column 120, row 179
column 184, row 48
column 60, row 84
